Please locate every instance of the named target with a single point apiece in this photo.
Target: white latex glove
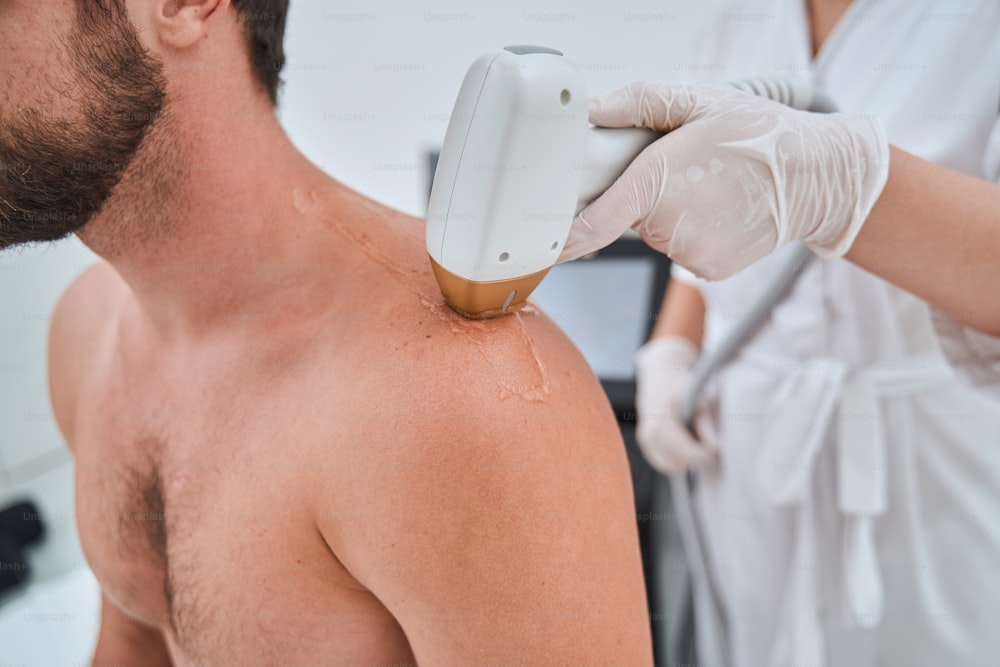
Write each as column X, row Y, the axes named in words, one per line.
column 736, row 177
column 663, row 374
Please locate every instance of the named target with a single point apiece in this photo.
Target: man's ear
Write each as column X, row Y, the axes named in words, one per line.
column 183, row 23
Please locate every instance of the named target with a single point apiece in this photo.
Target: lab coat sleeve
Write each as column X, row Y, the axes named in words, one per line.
column 975, row 356
column 679, row 273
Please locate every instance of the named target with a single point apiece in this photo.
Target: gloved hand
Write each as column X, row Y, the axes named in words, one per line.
column 663, row 374
column 736, row 177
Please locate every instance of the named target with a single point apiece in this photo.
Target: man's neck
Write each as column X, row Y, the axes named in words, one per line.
column 207, row 225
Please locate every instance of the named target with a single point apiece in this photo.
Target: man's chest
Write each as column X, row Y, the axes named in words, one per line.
column 196, row 519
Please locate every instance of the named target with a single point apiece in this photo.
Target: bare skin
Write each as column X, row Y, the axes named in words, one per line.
column 932, row 216
column 824, row 15
column 288, row 450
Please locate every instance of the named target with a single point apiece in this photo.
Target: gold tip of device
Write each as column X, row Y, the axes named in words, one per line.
column 487, row 300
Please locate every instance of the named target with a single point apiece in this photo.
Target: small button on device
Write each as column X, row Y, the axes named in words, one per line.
column 510, row 300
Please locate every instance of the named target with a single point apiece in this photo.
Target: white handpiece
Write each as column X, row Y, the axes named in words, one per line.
column 609, row 152
column 507, row 179
column 516, row 160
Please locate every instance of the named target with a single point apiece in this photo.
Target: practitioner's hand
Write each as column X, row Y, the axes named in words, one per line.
column 736, row 177
column 663, row 373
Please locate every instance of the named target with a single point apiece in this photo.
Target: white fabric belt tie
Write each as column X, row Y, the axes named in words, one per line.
column 806, row 404
column 862, row 480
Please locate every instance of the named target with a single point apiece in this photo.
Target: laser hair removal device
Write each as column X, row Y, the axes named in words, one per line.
column 509, row 177
column 519, row 161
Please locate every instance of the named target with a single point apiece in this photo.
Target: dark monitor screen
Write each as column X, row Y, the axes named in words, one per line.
column 604, row 306
column 608, row 305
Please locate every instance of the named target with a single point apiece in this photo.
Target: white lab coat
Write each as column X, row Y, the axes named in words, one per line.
column 974, row 356
column 855, row 516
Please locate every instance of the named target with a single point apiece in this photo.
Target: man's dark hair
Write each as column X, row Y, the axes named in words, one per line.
column 264, row 24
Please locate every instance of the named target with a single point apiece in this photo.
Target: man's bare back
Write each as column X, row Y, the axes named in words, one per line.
column 318, row 487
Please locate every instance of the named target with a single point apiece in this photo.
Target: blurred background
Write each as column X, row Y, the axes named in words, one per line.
column 369, row 90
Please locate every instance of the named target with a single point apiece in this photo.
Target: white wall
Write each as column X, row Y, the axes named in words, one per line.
column 31, row 280
column 371, row 83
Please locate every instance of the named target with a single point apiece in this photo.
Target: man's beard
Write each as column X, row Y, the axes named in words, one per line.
column 55, row 175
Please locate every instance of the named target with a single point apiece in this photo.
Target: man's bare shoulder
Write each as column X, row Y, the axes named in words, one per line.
column 80, row 319
column 489, row 494
column 433, row 362
column 442, row 385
